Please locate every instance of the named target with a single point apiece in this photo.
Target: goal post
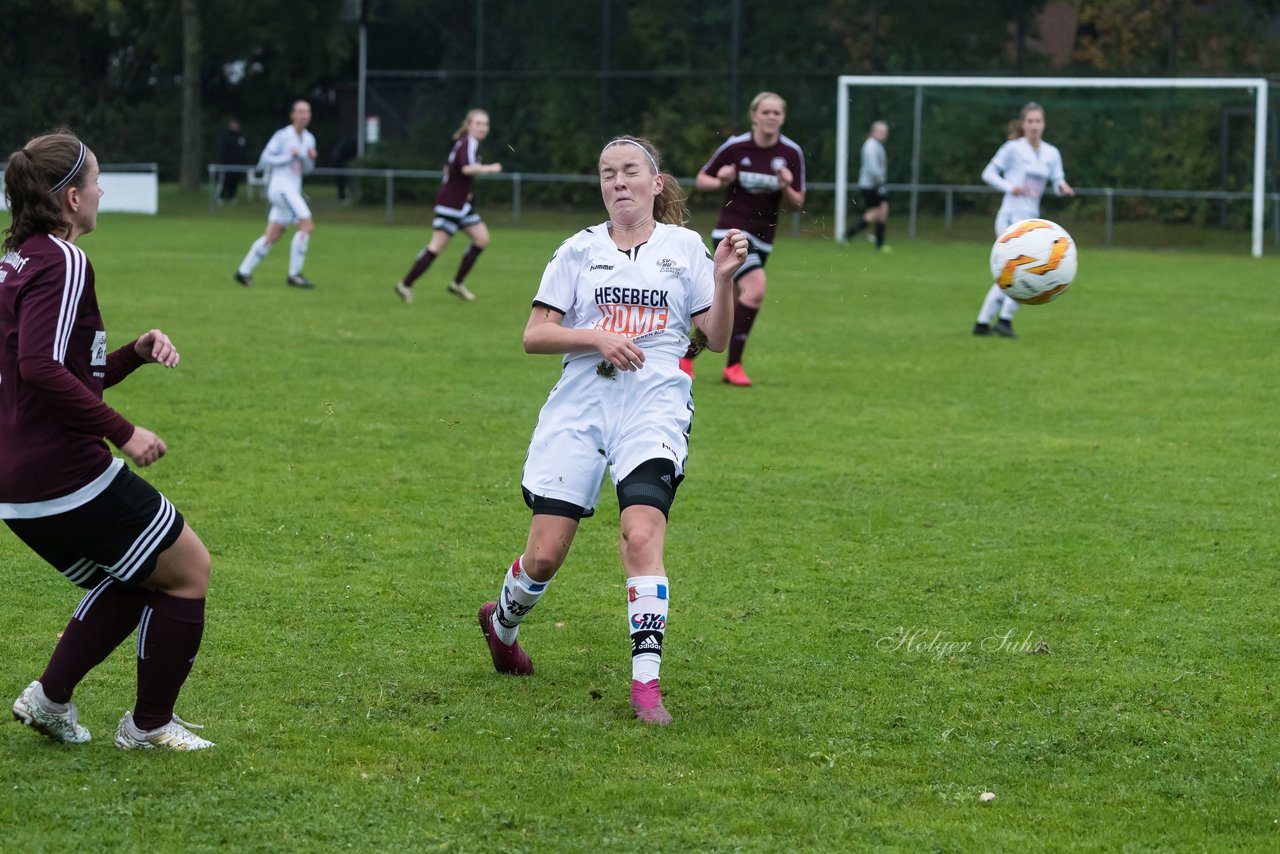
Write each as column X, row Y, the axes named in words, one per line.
column 846, row 83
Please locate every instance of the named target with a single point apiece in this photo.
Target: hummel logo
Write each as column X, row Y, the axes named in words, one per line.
column 595, row 267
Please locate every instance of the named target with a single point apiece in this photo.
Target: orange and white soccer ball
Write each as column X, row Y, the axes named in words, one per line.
column 1034, row 261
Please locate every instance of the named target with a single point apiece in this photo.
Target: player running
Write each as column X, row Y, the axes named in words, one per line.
column 619, row 300
column 759, row 172
column 61, row 491
column 1021, row 169
column 289, row 155
column 454, row 210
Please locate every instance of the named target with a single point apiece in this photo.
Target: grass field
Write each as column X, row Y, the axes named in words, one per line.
column 909, row 566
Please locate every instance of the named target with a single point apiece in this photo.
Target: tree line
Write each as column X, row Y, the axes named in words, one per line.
column 150, row 80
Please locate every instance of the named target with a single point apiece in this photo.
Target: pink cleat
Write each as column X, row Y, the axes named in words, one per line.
column 686, row 365
column 506, row 659
column 646, row 699
column 735, row 375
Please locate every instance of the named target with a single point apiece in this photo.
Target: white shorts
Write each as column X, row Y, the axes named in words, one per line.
column 1006, row 217
column 590, row 421
column 287, row 207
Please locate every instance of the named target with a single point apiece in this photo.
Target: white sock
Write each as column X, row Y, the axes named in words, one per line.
column 647, row 603
column 1007, row 310
column 298, row 252
column 991, row 304
column 519, row 594
column 257, row 252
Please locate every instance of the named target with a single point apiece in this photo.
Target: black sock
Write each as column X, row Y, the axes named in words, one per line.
column 879, row 234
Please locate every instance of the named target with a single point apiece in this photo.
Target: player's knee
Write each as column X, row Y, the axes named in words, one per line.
column 543, row 563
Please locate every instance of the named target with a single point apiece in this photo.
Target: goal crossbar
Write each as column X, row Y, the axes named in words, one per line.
column 1257, row 85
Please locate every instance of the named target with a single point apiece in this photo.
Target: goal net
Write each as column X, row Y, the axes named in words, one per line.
column 1167, row 152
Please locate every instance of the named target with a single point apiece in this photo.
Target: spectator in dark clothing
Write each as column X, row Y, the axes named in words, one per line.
column 233, row 150
column 343, row 153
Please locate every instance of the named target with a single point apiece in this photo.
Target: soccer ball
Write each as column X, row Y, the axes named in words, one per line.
column 1034, row 261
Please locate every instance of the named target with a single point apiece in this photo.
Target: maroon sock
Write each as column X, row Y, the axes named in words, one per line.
column 168, row 639
column 420, row 265
column 473, row 252
column 743, row 317
column 105, row 617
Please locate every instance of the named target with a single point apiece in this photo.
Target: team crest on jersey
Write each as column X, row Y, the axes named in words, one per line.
column 777, row 163
column 99, row 356
column 666, row 265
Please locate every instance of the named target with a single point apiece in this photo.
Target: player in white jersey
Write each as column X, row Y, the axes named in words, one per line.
column 873, row 175
column 1022, row 168
column 289, row 155
column 619, row 300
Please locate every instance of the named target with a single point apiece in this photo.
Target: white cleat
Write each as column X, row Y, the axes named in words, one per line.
column 56, row 720
column 172, row 736
column 461, row 291
column 404, row 292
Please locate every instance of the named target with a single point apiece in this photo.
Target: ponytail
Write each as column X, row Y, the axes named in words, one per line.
column 35, row 180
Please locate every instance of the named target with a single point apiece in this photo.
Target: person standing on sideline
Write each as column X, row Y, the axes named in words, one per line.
column 289, row 155
column 343, row 153
column 619, row 301
column 759, row 172
column 454, row 208
column 872, row 178
column 233, row 151
column 1021, row 169
column 61, row 491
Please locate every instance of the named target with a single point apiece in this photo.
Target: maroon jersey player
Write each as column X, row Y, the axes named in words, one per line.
column 61, row 490
column 760, row 172
column 454, row 208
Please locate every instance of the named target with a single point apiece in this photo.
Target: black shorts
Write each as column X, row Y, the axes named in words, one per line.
column 450, row 220
column 756, row 256
column 874, row 197
column 118, row 534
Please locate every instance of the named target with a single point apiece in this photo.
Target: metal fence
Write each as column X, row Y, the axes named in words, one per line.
column 1109, row 195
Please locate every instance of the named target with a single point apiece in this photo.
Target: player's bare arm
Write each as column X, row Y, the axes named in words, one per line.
column 723, row 178
column 544, row 334
column 792, row 199
column 717, row 322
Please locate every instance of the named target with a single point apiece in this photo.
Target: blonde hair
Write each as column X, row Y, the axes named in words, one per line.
column 34, row 179
column 669, row 206
column 1015, row 125
column 462, row 128
column 761, row 96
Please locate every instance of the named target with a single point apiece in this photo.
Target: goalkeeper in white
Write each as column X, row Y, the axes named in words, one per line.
column 1022, row 168
column 289, row 155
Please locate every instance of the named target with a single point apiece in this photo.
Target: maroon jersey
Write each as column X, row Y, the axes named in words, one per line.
column 751, row 201
column 455, row 192
column 53, row 368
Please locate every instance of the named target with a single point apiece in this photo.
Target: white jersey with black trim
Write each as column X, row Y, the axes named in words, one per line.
column 650, row 293
column 1018, row 164
column 287, row 158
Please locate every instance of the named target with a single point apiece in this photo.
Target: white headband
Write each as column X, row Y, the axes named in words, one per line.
column 614, row 142
column 74, row 169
